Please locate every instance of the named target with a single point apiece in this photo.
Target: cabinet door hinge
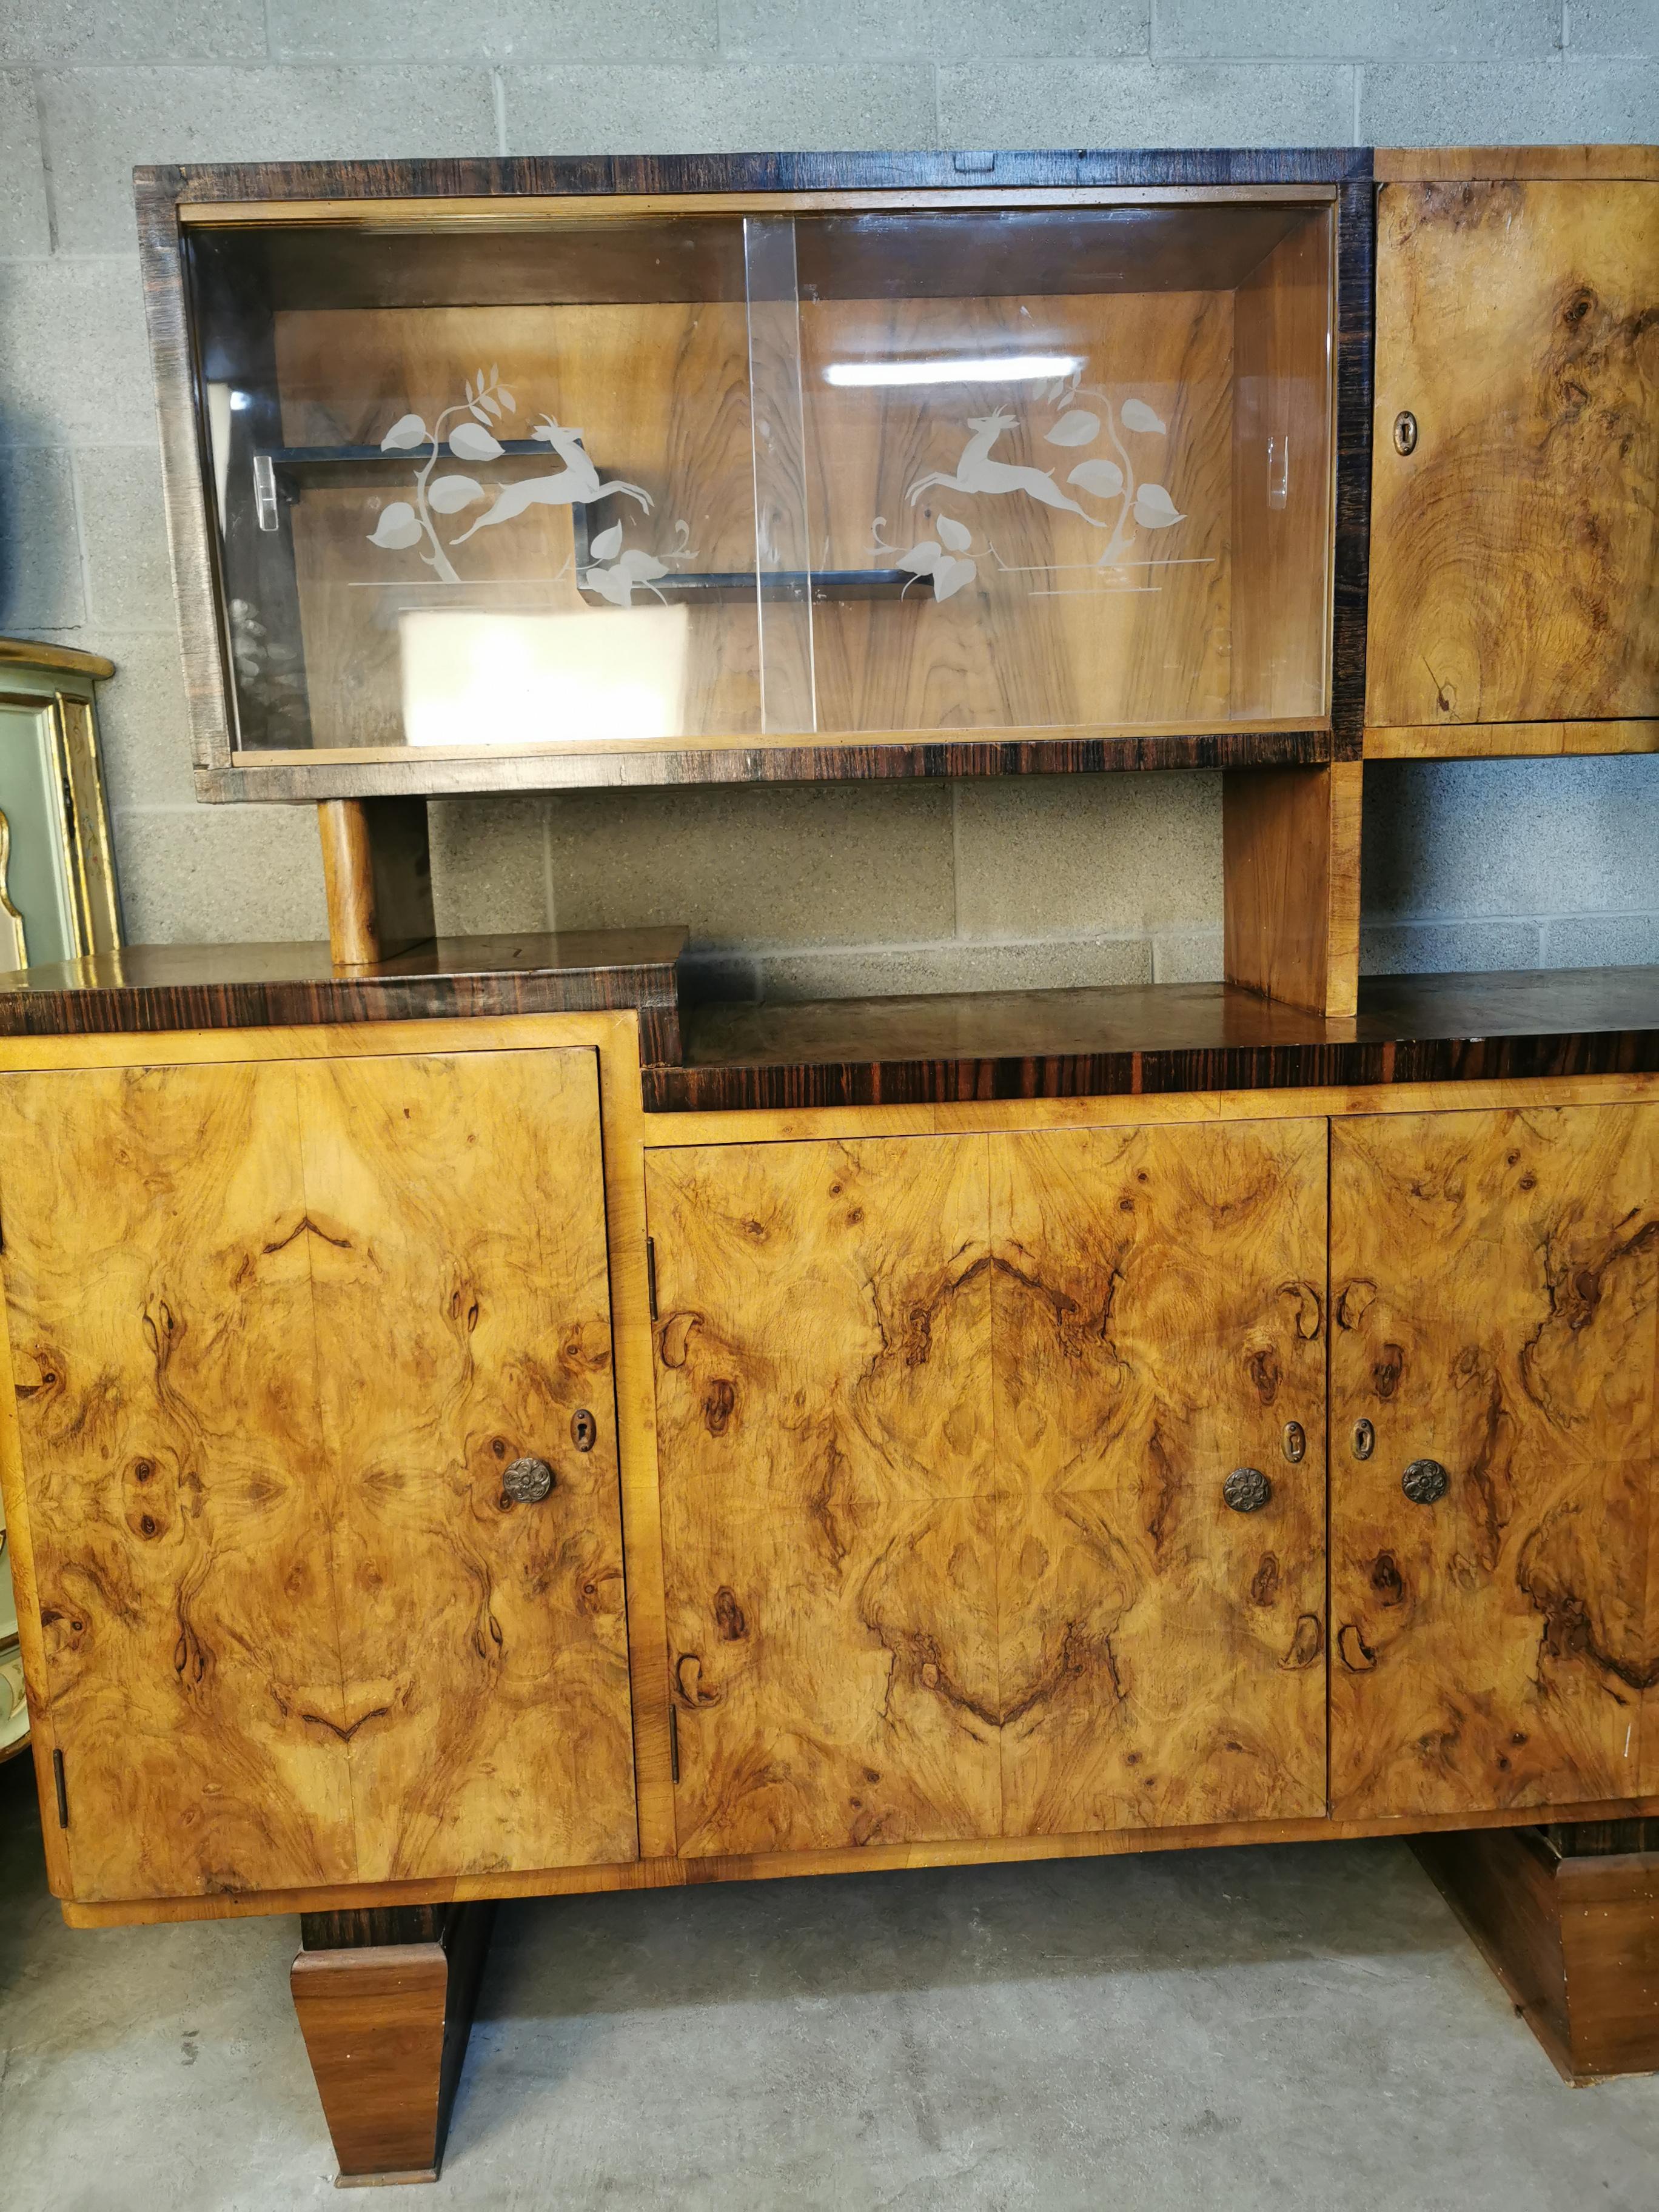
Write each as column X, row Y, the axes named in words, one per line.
column 651, row 1273
column 674, row 1743
column 63, row 1793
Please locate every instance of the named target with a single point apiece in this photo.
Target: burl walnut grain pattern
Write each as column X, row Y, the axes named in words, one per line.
column 276, row 1330
column 942, row 1425
column 1158, row 1310
column 159, row 1306
column 824, row 1443
column 1515, row 551
column 1493, row 1284
column 462, row 1307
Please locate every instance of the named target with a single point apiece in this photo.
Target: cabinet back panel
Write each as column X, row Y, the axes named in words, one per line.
column 1495, row 1288
column 661, row 392
column 1042, row 633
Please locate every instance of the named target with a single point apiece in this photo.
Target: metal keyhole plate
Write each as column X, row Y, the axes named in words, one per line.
column 1404, row 432
column 1364, row 1439
column 584, row 1429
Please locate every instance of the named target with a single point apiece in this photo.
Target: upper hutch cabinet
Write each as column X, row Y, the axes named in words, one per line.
column 573, row 476
column 1515, row 510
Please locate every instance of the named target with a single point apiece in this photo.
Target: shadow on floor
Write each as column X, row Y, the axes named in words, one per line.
column 1284, row 2029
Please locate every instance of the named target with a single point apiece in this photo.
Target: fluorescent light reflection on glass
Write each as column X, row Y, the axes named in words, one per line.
column 987, row 368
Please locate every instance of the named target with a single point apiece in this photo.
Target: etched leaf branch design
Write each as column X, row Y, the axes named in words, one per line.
column 404, row 524
column 942, row 560
column 616, row 582
column 1145, row 502
column 979, row 473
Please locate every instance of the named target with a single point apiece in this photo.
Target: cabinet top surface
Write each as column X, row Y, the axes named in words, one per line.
column 1161, row 1038
column 1168, row 1017
column 161, row 987
column 1170, row 1037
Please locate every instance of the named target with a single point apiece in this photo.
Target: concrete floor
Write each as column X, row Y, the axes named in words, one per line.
column 1292, row 2027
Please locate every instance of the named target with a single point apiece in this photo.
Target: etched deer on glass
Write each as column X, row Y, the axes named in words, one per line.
column 977, row 472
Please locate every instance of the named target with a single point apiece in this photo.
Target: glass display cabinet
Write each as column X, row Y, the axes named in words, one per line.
column 608, row 486
column 588, row 481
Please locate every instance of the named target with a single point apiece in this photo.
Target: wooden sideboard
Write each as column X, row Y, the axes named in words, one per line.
column 480, row 1425
column 435, row 1478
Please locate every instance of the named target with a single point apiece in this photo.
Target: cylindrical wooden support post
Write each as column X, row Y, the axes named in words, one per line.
column 377, row 872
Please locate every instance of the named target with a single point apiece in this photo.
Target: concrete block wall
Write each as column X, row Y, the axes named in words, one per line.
column 787, row 891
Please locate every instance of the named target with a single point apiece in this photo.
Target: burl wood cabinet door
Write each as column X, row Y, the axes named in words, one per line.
column 158, row 1286
column 1515, row 543
column 456, row 1221
column 277, row 1331
column 824, row 1411
column 1158, row 1312
column 1494, row 1599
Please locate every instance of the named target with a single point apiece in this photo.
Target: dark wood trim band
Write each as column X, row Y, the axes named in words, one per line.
column 844, row 761
column 1158, row 1040
column 144, row 988
column 1356, row 315
column 554, row 175
column 1151, row 1074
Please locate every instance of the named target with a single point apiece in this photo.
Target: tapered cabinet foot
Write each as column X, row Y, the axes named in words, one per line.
column 384, row 2002
column 1572, row 1934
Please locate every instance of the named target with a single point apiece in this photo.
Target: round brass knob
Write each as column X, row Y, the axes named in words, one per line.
column 527, row 1482
column 1425, row 1482
column 1247, row 1490
column 1405, row 431
column 584, row 1429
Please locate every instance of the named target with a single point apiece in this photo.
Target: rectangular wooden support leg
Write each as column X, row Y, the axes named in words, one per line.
column 385, row 2001
column 1572, row 1934
column 377, row 871
column 1290, row 846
